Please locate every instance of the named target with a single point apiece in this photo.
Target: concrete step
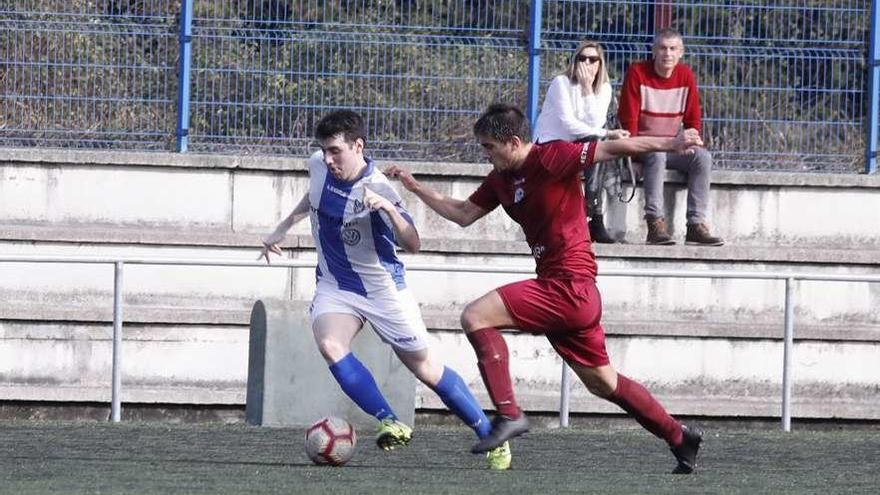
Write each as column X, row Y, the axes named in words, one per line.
column 207, row 364
column 12, row 236
column 231, row 195
column 237, row 313
column 178, row 288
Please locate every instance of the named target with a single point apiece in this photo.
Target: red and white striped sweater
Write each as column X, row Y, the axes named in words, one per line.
column 651, row 105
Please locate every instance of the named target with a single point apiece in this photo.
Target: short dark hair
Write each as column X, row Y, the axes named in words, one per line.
column 346, row 122
column 501, row 122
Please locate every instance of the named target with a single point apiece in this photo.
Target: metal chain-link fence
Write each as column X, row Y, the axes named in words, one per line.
column 784, row 84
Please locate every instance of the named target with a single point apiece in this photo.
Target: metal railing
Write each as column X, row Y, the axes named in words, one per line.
column 119, row 263
column 785, row 85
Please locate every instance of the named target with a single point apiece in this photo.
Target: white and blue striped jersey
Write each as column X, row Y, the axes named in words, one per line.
column 356, row 247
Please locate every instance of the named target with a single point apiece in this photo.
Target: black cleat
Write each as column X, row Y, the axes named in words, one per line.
column 686, row 453
column 503, row 429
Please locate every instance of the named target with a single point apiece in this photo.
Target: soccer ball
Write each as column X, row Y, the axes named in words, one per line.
column 330, row 440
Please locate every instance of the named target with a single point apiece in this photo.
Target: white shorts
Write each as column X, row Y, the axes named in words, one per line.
column 393, row 314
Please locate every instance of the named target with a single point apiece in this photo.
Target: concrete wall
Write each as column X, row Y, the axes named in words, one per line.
column 220, row 195
column 705, row 346
column 288, row 383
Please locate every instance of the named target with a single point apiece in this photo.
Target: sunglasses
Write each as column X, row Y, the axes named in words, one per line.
column 584, row 58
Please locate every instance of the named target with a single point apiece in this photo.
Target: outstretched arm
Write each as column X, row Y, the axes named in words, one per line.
column 685, row 142
column 271, row 241
column 462, row 212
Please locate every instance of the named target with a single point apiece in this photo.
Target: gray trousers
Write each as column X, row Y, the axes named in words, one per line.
column 697, row 167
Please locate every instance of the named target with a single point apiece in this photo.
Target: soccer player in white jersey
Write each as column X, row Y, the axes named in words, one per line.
column 357, row 220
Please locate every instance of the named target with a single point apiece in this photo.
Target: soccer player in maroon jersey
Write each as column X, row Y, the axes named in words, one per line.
column 538, row 185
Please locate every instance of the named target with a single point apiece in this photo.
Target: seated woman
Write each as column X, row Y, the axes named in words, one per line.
column 575, row 109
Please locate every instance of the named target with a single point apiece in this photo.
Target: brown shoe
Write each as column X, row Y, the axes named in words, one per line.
column 657, row 232
column 698, row 235
column 598, row 232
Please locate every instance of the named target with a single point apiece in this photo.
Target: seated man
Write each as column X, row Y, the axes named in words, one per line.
column 658, row 96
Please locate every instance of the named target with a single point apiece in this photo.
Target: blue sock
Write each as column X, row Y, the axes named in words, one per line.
column 359, row 385
column 458, row 398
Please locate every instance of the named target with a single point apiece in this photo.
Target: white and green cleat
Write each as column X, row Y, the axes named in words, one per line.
column 499, row 458
column 393, row 434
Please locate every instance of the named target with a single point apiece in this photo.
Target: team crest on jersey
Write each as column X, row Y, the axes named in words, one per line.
column 351, row 236
column 357, row 206
column 519, row 192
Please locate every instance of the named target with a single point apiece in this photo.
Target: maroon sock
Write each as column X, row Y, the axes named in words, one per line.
column 640, row 404
column 492, row 359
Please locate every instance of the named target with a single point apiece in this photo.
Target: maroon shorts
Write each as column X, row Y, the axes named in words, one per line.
column 567, row 312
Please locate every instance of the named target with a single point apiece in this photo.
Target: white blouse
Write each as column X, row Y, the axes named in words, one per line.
column 568, row 115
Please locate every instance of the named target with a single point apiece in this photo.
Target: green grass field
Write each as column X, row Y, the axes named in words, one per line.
column 138, row 458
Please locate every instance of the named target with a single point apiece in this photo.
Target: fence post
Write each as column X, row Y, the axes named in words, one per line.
column 787, row 349
column 184, row 66
column 116, row 373
column 660, row 15
column 873, row 120
column 564, row 397
column 534, row 63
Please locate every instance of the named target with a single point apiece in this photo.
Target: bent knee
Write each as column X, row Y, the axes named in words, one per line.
column 599, row 384
column 648, row 161
column 703, row 159
column 331, row 349
column 470, row 319
column 600, row 389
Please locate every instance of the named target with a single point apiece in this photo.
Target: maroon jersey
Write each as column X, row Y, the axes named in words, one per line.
column 545, row 198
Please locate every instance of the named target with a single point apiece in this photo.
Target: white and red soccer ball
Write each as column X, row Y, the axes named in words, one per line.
column 330, row 440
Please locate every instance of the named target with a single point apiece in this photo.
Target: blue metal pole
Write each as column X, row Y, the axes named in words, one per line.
column 534, row 62
column 183, row 72
column 873, row 120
